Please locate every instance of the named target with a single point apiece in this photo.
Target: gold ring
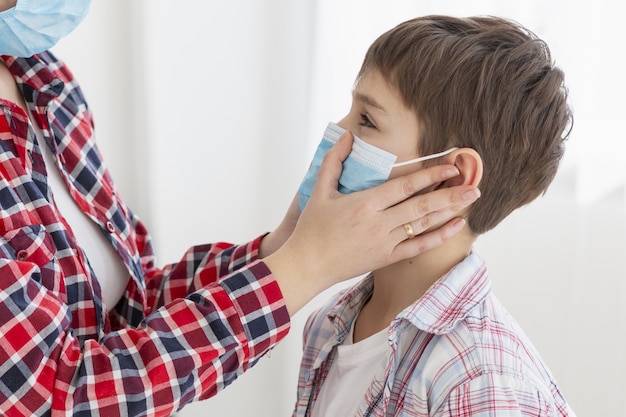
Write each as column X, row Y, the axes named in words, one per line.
column 409, row 230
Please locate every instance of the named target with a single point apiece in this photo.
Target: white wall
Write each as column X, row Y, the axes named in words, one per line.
column 559, row 268
column 208, row 114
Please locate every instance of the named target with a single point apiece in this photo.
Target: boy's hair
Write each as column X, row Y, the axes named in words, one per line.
column 484, row 83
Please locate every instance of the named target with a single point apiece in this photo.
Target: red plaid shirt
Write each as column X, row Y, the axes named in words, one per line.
column 180, row 333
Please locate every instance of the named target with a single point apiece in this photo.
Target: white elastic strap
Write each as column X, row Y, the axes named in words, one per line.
column 424, row 158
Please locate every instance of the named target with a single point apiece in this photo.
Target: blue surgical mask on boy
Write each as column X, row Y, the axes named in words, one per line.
column 365, row 166
column 33, row 26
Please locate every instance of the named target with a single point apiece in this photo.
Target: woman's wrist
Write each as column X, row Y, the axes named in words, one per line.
column 296, row 284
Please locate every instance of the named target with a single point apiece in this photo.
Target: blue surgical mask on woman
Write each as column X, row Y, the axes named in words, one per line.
column 33, row 26
column 365, row 166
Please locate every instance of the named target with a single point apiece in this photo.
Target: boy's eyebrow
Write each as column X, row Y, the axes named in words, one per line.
column 369, row 100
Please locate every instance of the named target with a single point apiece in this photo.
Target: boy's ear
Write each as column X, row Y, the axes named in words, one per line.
column 469, row 164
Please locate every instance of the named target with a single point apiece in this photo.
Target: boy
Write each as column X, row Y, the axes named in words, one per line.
column 426, row 336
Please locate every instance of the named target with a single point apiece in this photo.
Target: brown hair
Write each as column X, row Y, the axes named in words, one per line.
column 485, row 83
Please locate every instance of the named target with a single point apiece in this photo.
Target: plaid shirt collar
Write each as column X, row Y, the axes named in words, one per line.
column 41, row 80
column 449, row 300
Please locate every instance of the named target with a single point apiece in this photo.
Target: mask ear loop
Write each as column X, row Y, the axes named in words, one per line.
column 424, row 158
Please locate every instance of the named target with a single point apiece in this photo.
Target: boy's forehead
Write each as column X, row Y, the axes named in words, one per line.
column 371, row 78
column 373, row 90
column 368, row 99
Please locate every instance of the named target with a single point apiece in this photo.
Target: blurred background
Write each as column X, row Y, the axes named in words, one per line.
column 208, row 114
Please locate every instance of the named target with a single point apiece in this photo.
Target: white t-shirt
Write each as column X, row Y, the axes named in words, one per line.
column 110, row 271
column 351, row 374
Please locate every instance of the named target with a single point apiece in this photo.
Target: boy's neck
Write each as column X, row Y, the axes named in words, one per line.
column 399, row 285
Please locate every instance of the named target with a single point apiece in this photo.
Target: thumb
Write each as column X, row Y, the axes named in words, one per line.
column 331, row 167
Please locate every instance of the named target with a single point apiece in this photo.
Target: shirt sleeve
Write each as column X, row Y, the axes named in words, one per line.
column 187, row 348
column 181, row 333
column 200, row 266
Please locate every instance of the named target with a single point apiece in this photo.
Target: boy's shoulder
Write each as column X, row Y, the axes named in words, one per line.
column 485, row 351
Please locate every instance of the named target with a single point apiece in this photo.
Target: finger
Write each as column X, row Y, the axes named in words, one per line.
column 398, row 189
column 330, row 169
column 425, row 210
column 417, row 227
column 409, row 248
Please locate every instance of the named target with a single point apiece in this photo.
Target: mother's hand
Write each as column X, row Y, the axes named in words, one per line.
column 340, row 236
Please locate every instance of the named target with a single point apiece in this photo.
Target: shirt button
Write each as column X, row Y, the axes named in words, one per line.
column 21, row 255
column 110, row 227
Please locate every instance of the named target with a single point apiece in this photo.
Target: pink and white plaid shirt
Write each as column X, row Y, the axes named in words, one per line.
column 179, row 333
column 455, row 352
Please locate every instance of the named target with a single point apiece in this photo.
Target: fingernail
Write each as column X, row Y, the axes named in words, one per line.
column 343, row 136
column 471, row 195
column 451, row 172
column 459, row 223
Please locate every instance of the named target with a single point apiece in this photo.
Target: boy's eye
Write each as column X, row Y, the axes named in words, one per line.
column 365, row 121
